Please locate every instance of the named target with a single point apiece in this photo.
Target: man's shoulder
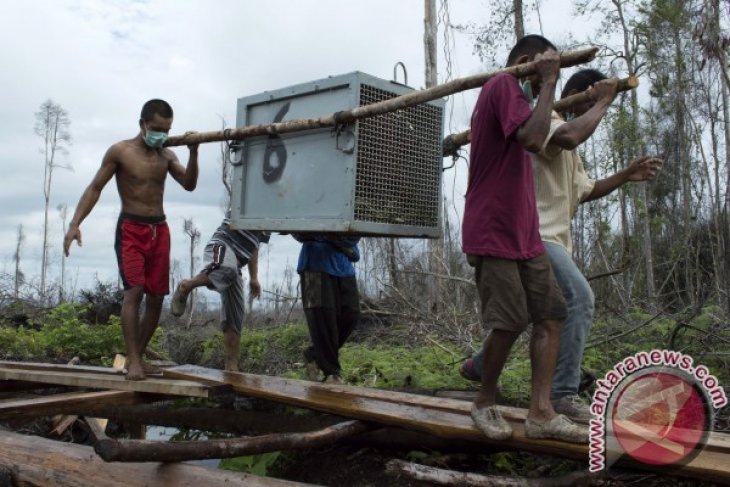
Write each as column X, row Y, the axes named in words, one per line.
column 500, row 88
column 123, row 147
column 501, row 81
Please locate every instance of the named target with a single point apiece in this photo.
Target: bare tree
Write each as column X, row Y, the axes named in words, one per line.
column 191, row 231
column 175, row 273
column 62, row 212
column 435, row 246
column 225, row 161
column 19, row 278
column 519, row 20
column 52, row 124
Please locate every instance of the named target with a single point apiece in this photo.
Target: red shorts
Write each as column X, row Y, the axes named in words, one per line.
column 143, row 253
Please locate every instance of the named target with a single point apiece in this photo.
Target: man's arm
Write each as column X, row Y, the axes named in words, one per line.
column 90, row 197
column 253, row 274
column 186, row 176
column 641, row 169
column 573, row 133
column 534, row 131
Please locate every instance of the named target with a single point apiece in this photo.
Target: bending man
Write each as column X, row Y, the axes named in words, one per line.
column 226, row 253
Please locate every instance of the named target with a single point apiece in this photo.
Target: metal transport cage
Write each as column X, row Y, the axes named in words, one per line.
column 377, row 176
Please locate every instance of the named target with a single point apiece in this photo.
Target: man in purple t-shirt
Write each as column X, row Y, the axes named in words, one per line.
column 502, row 241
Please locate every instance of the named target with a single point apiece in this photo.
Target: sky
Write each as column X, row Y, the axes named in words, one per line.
column 102, row 59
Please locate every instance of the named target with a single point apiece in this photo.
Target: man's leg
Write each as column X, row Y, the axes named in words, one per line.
column 228, row 282
column 318, row 298
column 130, row 328
column 497, row 346
column 322, row 324
column 544, row 345
column 504, row 311
column 547, row 308
column 147, row 327
column 349, row 308
column 184, row 288
column 580, row 304
column 232, row 348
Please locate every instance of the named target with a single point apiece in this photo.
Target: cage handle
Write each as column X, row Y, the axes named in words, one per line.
column 395, row 73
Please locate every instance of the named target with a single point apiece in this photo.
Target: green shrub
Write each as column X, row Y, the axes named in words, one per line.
column 253, row 464
column 63, row 335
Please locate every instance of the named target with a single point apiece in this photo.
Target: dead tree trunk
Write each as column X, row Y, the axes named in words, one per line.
column 180, row 451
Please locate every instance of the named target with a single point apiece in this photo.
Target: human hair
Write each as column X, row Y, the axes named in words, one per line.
column 581, row 81
column 530, row 45
column 160, row 107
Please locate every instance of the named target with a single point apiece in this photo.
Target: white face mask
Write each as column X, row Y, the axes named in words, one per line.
column 527, row 90
column 153, row 139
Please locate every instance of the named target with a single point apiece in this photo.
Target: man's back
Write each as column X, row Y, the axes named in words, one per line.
column 561, row 184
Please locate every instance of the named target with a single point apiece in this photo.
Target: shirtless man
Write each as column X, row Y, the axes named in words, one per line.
column 142, row 240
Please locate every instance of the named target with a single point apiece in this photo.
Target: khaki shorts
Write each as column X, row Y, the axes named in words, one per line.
column 515, row 293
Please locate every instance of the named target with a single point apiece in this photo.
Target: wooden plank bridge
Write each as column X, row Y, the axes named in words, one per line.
column 449, row 419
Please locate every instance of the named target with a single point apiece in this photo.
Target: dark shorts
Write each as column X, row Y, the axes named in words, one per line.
column 516, row 293
column 143, row 253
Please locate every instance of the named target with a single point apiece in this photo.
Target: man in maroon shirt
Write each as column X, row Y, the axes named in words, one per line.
column 502, row 240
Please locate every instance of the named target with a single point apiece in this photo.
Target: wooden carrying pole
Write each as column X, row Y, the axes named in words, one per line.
column 453, row 142
column 567, row 59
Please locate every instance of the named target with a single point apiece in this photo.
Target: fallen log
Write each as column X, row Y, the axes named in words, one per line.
column 264, row 422
column 238, row 422
column 46, row 463
column 179, row 451
column 453, row 142
column 567, row 59
column 440, row 476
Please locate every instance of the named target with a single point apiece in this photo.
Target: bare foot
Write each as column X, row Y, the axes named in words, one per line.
column 179, row 300
column 135, row 371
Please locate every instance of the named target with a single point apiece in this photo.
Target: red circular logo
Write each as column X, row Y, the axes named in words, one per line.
column 660, row 418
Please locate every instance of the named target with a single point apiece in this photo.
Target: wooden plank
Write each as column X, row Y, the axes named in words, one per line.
column 105, row 381
column 446, row 421
column 446, row 418
column 68, row 403
column 48, row 463
column 59, row 367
